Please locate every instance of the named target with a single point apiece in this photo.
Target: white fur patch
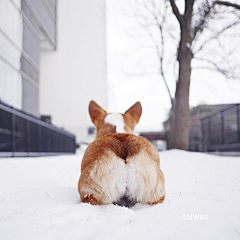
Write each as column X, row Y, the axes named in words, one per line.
column 109, row 176
column 116, row 119
column 143, row 179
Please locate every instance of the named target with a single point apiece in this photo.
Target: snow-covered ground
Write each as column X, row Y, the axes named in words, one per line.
column 39, row 200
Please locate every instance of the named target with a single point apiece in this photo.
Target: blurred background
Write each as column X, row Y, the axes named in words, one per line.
column 57, row 55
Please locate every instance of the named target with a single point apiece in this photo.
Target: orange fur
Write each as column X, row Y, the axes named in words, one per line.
column 120, row 165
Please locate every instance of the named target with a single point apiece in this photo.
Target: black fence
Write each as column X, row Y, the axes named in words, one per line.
column 24, row 135
column 220, row 132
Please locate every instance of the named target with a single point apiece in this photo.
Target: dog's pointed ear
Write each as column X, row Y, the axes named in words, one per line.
column 97, row 114
column 134, row 112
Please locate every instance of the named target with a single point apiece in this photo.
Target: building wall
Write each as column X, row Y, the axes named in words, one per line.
column 76, row 72
column 10, row 53
column 40, row 27
column 26, row 26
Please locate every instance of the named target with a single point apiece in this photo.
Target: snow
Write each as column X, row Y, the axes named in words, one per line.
column 39, row 200
column 188, row 45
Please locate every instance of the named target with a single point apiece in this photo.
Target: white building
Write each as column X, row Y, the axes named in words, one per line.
column 53, row 59
column 75, row 73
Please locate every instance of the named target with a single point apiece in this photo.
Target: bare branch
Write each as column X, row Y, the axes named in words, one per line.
column 159, row 20
column 206, row 8
column 227, row 73
column 227, row 4
column 176, row 12
column 161, row 63
column 214, row 36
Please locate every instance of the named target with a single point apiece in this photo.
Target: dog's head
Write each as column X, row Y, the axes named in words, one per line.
column 106, row 123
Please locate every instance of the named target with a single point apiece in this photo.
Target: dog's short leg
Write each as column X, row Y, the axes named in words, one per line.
column 145, row 182
column 104, row 180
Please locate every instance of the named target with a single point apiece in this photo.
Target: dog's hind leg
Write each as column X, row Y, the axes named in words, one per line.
column 104, row 180
column 145, row 183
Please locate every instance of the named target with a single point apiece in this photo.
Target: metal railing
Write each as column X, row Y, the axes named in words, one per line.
column 220, row 132
column 24, row 135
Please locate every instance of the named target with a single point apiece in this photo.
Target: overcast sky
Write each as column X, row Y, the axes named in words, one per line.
column 124, row 88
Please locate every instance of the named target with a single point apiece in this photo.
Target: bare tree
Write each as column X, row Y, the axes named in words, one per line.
column 189, row 31
column 199, row 37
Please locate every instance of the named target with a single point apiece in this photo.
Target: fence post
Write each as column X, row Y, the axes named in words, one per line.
column 62, row 147
column 222, row 127
column 203, row 137
column 49, row 140
column 13, row 134
column 238, row 122
column 28, row 136
column 209, row 132
column 40, row 139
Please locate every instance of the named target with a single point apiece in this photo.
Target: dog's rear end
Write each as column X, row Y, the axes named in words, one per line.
column 120, row 168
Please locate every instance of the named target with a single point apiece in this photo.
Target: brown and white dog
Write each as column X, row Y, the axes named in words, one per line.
column 119, row 165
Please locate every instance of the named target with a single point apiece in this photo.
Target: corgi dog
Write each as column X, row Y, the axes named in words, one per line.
column 119, row 165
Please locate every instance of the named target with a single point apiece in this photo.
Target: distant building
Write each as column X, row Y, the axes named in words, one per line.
column 213, row 128
column 158, row 139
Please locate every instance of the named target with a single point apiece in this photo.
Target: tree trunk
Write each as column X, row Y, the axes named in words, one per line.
column 171, row 131
column 179, row 133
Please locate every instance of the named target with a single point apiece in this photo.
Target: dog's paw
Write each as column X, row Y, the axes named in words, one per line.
column 89, row 198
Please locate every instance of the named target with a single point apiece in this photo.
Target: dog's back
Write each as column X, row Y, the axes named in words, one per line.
column 121, row 168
